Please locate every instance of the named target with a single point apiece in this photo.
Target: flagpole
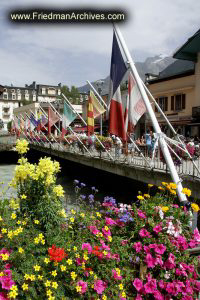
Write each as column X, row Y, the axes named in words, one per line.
column 155, row 123
column 41, row 130
column 71, row 129
column 65, row 98
column 47, row 130
column 35, row 127
column 27, row 132
column 98, row 95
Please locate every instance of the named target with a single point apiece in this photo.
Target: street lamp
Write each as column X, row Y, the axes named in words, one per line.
column 99, row 84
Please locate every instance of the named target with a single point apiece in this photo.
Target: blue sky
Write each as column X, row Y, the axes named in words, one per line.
column 69, row 54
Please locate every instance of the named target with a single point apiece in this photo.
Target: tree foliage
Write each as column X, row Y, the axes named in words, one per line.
column 71, row 93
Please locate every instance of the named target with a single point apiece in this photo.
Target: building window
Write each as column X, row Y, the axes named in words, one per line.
column 163, row 103
column 43, row 91
column 51, row 91
column 27, row 96
column 18, row 91
column 178, row 102
column 26, row 91
column 5, row 95
column 13, row 97
column 13, row 90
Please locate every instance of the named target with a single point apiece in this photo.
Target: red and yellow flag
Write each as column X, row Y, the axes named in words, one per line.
column 90, row 117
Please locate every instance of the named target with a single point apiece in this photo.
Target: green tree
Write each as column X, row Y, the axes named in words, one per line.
column 72, row 94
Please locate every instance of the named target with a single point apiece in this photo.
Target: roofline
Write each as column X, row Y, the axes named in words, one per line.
column 185, row 44
column 188, row 73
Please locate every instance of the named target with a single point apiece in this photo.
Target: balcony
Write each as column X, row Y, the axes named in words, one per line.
column 196, row 112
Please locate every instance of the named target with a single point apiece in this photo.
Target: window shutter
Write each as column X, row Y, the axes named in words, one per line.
column 183, row 101
column 156, row 110
column 166, row 103
column 172, row 102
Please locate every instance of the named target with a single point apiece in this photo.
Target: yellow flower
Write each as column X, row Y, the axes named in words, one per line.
column 54, row 273
column 42, row 242
column 150, row 185
column 1, row 218
column 140, row 197
column 26, row 276
column 98, row 214
column 21, row 250
column 104, row 297
column 69, row 261
column 161, row 188
column 36, row 222
column 186, row 192
column 78, row 288
column 49, row 293
column 72, row 220
column 3, row 230
column 13, row 294
column 22, row 146
column 109, row 238
column 164, row 183
column 75, row 248
column 23, row 196
column 165, row 208
column 146, row 195
column 10, row 234
column 36, row 240
column 58, row 190
column 95, row 277
column 13, row 216
column 14, row 288
column 1, row 274
column 25, row 287
column 106, row 228
column 73, row 275
column 63, row 268
column 123, row 295
column 73, row 211
column 121, row 286
column 18, row 222
column 51, row 298
column 32, row 277
column 91, row 272
column 4, row 256
column 40, row 277
column 37, row 268
column 82, row 215
column 172, row 192
column 46, row 260
column 195, row 207
column 54, row 285
column 24, row 223
column 41, row 236
column 172, row 185
column 47, row 283
column 85, row 256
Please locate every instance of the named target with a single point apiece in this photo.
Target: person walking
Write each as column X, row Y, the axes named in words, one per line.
column 148, row 142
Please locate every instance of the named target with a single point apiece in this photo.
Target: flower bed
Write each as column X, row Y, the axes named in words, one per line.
column 97, row 251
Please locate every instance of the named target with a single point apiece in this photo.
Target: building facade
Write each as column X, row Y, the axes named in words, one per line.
column 13, row 97
column 177, row 90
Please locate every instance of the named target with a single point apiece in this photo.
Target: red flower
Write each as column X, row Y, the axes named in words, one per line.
column 56, row 254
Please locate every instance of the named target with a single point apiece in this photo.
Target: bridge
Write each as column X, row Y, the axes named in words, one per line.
column 132, row 166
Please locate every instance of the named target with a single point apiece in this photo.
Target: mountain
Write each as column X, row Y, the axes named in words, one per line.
column 153, row 65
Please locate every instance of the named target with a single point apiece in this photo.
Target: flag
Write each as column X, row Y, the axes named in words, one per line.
column 135, row 106
column 90, row 117
column 117, row 72
column 52, row 119
column 97, row 107
column 68, row 117
column 33, row 121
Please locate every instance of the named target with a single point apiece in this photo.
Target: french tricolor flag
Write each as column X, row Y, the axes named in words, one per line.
column 117, row 72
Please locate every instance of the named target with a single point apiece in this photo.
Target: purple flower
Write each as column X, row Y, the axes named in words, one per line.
column 83, row 184
column 76, row 182
column 82, row 197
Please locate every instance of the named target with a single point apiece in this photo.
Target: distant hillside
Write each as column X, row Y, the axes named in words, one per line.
column 152, row 65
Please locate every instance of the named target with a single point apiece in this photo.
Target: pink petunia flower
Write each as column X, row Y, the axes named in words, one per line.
column 160, row 249
column 144, row 233
column 150, row 260
column 110, row 221
column 7, row 283
column 138, row 284
column 137, row 246
column 83, row 286
column 93, row 229
column 141, row 214
column 88, row 247
column 99, row 286
column 157, row 228
column 150, row 287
